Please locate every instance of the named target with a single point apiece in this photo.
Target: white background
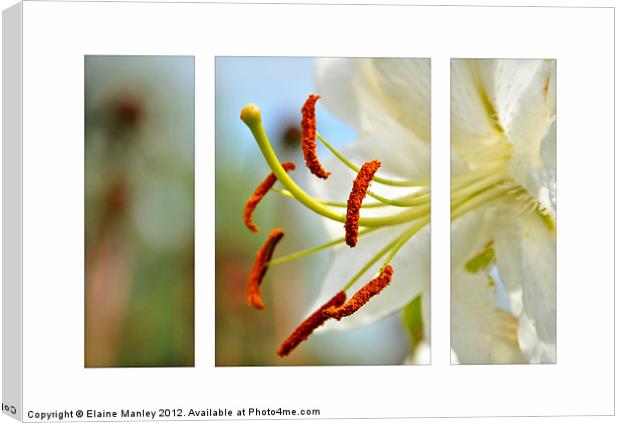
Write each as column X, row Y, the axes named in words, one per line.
column 58, row 35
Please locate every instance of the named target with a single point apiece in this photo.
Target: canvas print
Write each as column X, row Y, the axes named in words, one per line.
column 139, row 211
column 503, row 139
column 322, row 211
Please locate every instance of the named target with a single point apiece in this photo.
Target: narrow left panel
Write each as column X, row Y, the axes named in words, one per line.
column 139, row 211
column 12, row 211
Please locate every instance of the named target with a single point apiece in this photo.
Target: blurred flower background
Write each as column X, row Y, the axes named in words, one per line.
column 244, row 335
column 139, row 211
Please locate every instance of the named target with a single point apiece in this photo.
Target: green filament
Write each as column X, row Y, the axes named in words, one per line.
column 356, row 169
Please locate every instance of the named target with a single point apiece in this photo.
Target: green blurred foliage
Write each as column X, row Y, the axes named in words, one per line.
column 139, row 211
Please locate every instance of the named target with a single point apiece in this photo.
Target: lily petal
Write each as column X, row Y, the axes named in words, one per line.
column 538, row 175
column 472, row 114
column 533, row 347
column 526, row 256
column 516, row 85
column 470, row 233
column 367, row 92
column 404, row 85
column 546, row 177
column 529, row 118
column 479, row 332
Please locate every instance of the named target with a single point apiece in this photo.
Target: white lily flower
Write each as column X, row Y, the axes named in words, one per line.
column 503, row 196
column 388, row 102
column 503, row 125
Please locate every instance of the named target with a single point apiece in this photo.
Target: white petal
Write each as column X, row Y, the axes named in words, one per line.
column 471, row 113
column 367, row 93
column 538, row 174
column 543, row 179
column 526, row 258
column 550, row 88
column 334, row 81
column 518, row 89
column 411, row 276
column 404, row 85
column 529, row 119
column 400, row 158
column 478, row 332
column 522, row 96
column 470, row 233
column 533, row 348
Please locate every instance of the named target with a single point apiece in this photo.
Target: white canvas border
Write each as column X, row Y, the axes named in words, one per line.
column 53, row 133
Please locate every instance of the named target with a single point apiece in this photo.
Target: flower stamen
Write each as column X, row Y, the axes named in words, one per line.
column 305, row 329
column 354, row 204
column 362, row 296
column 308, row 137
column 260, row 268
column 258, row 195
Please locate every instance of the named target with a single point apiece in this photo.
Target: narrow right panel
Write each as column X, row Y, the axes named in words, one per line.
column 503, row 205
